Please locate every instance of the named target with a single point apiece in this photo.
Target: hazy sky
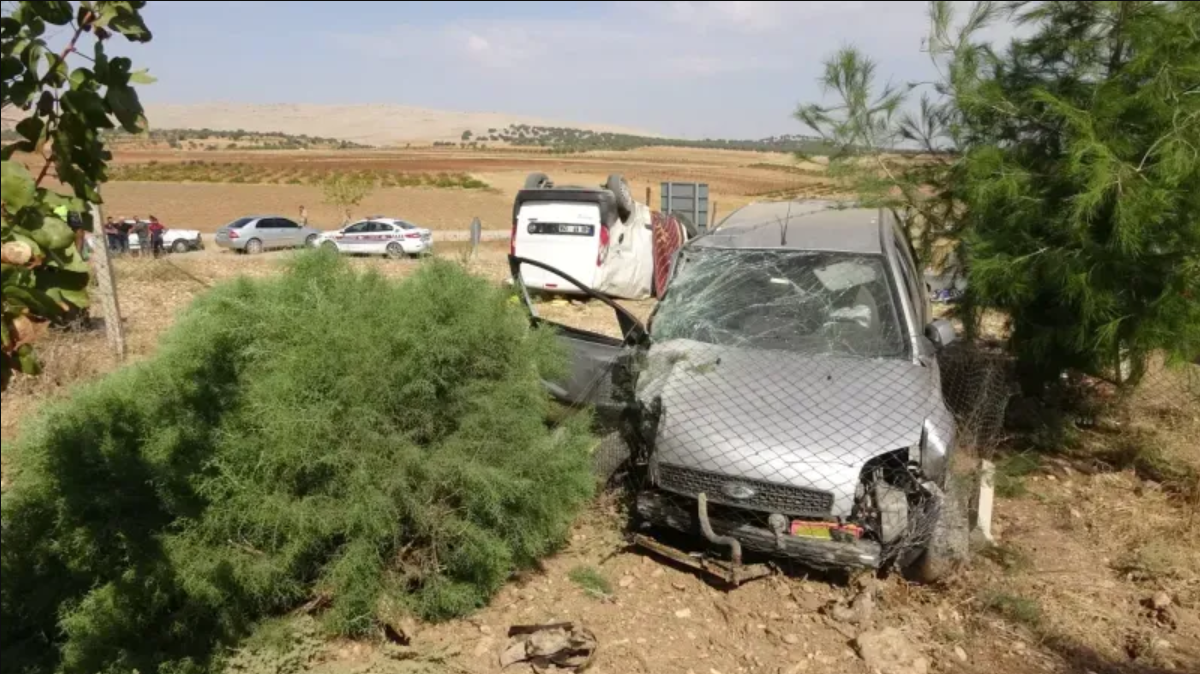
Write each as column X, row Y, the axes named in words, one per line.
column 719, row 69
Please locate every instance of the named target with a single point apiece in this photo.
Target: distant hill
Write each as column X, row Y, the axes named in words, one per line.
column 220, row 126
column 378, row 125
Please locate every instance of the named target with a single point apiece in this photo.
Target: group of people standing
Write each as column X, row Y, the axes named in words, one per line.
column 149, row 233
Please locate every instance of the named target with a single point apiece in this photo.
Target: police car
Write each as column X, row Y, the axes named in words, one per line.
column 379, row 236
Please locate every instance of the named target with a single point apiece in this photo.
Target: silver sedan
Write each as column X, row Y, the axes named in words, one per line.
column 259, row 233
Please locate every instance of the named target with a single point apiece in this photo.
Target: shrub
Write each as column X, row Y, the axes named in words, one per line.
column 321, row 435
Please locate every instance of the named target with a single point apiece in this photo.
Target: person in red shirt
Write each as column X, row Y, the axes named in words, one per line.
column 156, row 236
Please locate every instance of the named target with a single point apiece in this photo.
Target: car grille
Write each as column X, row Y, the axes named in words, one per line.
column 768, row 496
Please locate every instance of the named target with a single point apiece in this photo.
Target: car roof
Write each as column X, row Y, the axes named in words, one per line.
column 800, row 225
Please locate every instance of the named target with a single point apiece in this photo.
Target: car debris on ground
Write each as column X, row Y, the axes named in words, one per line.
column 556, row 647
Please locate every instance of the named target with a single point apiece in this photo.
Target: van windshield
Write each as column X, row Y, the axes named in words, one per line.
column 814, row 303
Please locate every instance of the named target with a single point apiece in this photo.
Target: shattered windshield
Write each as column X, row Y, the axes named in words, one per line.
column 801, row 301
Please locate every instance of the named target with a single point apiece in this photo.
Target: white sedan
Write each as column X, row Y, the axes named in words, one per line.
column 379, row 236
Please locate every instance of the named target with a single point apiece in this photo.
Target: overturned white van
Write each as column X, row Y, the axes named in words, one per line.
column 598, row 235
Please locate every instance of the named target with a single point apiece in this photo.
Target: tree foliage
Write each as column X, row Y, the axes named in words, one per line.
column 63, row 111
column 249, row 468
column 346, row 191
column 1064, row 167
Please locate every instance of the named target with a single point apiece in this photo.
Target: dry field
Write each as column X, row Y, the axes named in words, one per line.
column 734, row 179
column 1088, row 544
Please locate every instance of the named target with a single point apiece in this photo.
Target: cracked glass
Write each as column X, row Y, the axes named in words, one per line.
column 811, row 303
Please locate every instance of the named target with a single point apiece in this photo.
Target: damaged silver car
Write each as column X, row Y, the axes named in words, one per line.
column 786, row 396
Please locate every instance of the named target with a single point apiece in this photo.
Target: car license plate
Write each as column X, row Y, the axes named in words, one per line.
column 561, row 228
column 819, row 530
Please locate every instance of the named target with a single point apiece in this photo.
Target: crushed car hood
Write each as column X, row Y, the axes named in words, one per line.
column 779, row 416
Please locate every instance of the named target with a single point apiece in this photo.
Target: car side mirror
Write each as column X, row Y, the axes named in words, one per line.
column 941, row 333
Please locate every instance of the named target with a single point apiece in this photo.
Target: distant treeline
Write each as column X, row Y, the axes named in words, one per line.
column 175, row 138
column 562, row 139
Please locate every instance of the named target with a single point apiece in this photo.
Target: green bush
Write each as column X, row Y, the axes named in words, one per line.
column 324, row 434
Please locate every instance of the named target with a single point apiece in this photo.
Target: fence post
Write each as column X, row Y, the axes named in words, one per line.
column 476, row 236
column 106, row 286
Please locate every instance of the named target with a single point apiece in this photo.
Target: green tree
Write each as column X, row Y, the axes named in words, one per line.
column 466, row 135
column 62, row 109
column 1065, row 166
column 346, row 191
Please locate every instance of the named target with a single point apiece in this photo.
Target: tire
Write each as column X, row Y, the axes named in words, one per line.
column 538, row 181
column 180, row 247
column 329, row 245
column 254, row 247
column 689, row 227
column 311, row 241
column 395, row 251
column 949, row 545
column 620, row 189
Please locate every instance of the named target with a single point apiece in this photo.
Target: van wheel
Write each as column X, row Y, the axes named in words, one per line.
column 538, row 181
column 620, row 189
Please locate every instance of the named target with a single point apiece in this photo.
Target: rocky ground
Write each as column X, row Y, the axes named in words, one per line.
column 1096, row 567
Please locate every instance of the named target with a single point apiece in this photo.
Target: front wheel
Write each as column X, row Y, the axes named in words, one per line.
column 330, row 246
column 395, row 251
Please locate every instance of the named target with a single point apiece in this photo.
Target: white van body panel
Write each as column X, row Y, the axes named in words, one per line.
column 628, row 268
column 564, row 235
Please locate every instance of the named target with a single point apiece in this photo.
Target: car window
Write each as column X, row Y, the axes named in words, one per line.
column 357, row 228
column 238, row 224
column 800, row 301
column 284, row 223
column 378, row 227
column 265, row 223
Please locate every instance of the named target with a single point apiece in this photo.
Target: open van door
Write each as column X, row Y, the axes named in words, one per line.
column 600, row 372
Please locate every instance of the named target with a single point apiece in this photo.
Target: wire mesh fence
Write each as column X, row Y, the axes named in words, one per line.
column 785, row 403
column 800, row 403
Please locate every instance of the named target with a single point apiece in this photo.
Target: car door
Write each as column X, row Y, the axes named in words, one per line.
column 266, row 232
column 353, row 239
column 288, row 233
column 599, row 372
column 381, row 234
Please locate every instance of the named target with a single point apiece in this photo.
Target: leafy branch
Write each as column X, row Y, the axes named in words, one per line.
column 61, row 112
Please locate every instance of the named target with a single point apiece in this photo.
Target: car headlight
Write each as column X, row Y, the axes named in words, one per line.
column 937, row 442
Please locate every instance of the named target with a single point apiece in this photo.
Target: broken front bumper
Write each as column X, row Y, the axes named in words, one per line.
column 659, row 509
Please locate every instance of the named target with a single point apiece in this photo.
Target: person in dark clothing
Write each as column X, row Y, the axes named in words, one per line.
column 157, row 231
column 112, row 235
column 123, row 227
